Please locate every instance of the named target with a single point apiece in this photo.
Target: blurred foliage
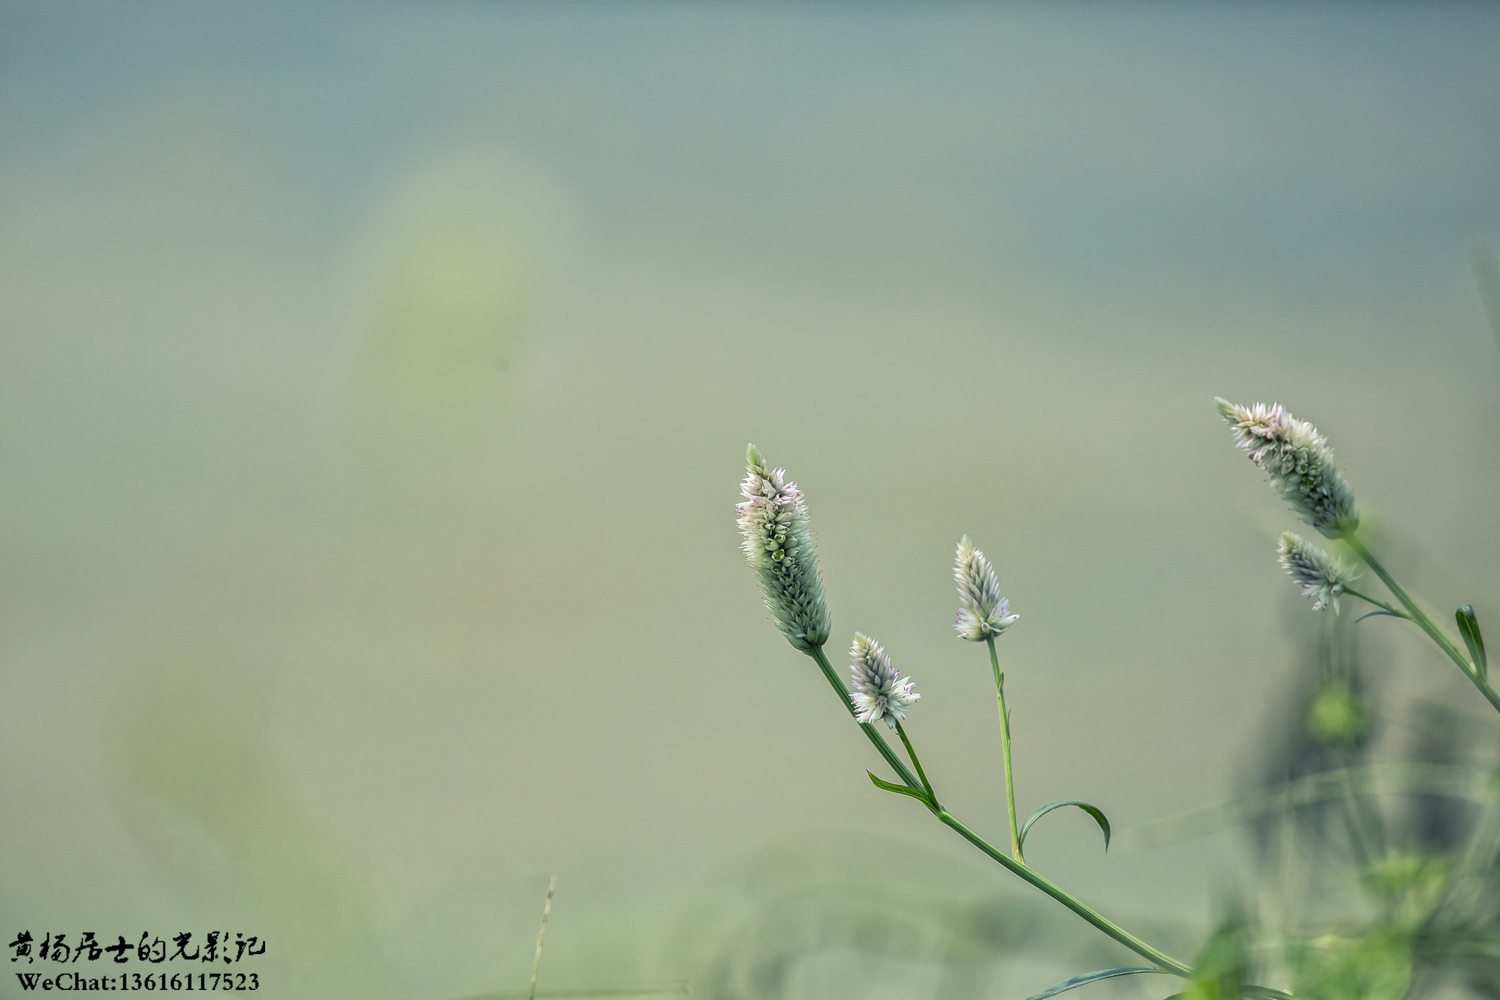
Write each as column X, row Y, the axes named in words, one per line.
column 208, row 807
column 1337, row 716
column 453, row 269
column 1222, row 966
column 1373, row 966
column 1392, row 895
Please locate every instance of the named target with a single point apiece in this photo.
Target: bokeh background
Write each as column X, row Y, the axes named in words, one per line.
column 374, row 386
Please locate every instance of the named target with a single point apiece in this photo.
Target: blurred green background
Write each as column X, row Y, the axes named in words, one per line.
column 374, row 386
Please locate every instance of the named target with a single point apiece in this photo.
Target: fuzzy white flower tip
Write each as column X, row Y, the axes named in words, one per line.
column 878, row 690
column 1323, row 577
column 1297, row 461
column 982, row 612
column 778, row 545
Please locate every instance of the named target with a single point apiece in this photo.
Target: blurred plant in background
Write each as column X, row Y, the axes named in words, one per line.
column 1381, row 857
column 450, row 282
column 1380, row 839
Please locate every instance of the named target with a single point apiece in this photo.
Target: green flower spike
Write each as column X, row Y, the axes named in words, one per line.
column 1298, row 462
column 778, row 546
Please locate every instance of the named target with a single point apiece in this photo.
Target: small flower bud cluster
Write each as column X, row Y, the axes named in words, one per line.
column 778, row 546
column 877, row 691
column 1298, row 462
column 982, row 612
column 1336, row 716
column 1323, row 577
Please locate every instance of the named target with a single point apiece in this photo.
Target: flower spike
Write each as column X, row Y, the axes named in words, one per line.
column 1299, row 463
column 982, row 612
column 1323, row 577
column 877, row 694
column 778, row 546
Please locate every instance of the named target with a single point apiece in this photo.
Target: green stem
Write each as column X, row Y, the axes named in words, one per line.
column 912, row 753
column 837, row 683
column 1135, row 944
column 1163, row 961
column 1010, row 786
column 1425, row 623
column 1378, row 603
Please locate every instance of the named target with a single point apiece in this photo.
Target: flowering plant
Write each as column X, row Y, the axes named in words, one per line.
column 1299, row 465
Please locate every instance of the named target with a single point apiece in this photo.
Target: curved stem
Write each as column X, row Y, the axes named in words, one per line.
column 1425, row 623
column 912, row 753
column 1163, row 961
column 1010, row 786
column 837, row 684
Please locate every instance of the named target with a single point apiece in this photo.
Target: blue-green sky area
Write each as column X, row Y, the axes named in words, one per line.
column 374, row 386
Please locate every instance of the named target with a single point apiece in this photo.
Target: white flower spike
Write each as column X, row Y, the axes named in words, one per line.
column 778, row 546
column 878, row 693
column 1323, row 577
column 1298, row 462
column 982, row 612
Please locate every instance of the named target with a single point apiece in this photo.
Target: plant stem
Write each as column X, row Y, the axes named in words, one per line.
column 837, row 683
column 1010, row 786
column 1425, row 623
column 912, row 753
column 1378, row 603
column 1162, row 959
column 536, row 960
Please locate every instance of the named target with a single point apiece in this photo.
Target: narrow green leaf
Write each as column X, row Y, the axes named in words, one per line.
column 1090, row 977
column 899, row 789
column 1468, row 627
column 1266, row 993
column 1092, row 810
column 1372, row 614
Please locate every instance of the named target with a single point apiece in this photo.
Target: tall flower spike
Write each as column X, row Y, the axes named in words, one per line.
column 1323, row 577
column 982, row 612
column 778, row 546
column 1298, row 462
column 877, row 693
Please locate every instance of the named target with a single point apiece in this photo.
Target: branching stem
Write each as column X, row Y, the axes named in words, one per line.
column 837, row 683
column 923, row 791
column 1425, row 623
column 1390, row 609
column 917, row 763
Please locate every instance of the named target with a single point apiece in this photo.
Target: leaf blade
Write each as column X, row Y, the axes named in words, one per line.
column 898, row 789
column 1087, row 807
column 1468, row 627
column 1092, row 977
